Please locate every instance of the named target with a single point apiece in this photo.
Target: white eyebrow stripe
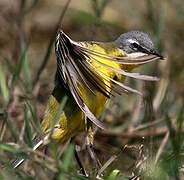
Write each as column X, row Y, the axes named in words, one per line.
column 132, row 41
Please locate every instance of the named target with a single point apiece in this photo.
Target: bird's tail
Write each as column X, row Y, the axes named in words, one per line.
column 37, row 142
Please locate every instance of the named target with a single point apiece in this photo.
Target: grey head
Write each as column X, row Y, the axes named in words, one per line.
column 137, row 41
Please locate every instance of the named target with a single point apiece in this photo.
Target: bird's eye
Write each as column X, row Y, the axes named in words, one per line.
column 135, row 45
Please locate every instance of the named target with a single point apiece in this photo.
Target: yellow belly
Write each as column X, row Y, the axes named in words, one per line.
column 68, row 124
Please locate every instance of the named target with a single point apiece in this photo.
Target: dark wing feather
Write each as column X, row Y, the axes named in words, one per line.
column 73, row 75
column 73, row 88
column 74, row 68
column 81, row 77
column 128, row 74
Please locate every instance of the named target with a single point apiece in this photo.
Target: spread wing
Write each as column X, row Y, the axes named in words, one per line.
column 75, row 69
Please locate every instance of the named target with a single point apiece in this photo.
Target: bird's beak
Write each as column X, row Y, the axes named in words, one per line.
column 157, row 54
column 150, row 52
column 153, row 52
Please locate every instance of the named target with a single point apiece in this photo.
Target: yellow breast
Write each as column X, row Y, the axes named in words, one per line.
column 63, row 125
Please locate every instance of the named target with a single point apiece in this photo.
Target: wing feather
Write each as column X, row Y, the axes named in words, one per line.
column 75, row 69
column 123, row 59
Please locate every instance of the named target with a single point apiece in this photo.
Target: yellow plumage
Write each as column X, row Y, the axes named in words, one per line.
column 106, row 61
column 88, row 73
column 72, row 122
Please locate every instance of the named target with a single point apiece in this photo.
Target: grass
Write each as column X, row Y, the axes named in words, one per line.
column 146, row 136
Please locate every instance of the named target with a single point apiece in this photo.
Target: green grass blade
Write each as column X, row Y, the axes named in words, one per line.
column 34, row 120
column 19, row 66
column 8, row 148
column 3, row 85
column 27, row 73
column 113, row 175
column 28, row 129
column 65, row 164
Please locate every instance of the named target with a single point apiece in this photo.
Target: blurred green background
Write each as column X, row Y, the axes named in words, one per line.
column 146, row 137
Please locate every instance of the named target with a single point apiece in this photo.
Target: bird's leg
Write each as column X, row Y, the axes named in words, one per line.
column 77, row 157
column 89, row 144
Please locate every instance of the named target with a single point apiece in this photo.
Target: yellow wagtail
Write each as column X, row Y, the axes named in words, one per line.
column 88, row 73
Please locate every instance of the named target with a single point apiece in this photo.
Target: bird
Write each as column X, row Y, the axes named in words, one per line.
column 88, row 74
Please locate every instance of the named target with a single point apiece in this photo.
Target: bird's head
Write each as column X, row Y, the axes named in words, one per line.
column 136, row 44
